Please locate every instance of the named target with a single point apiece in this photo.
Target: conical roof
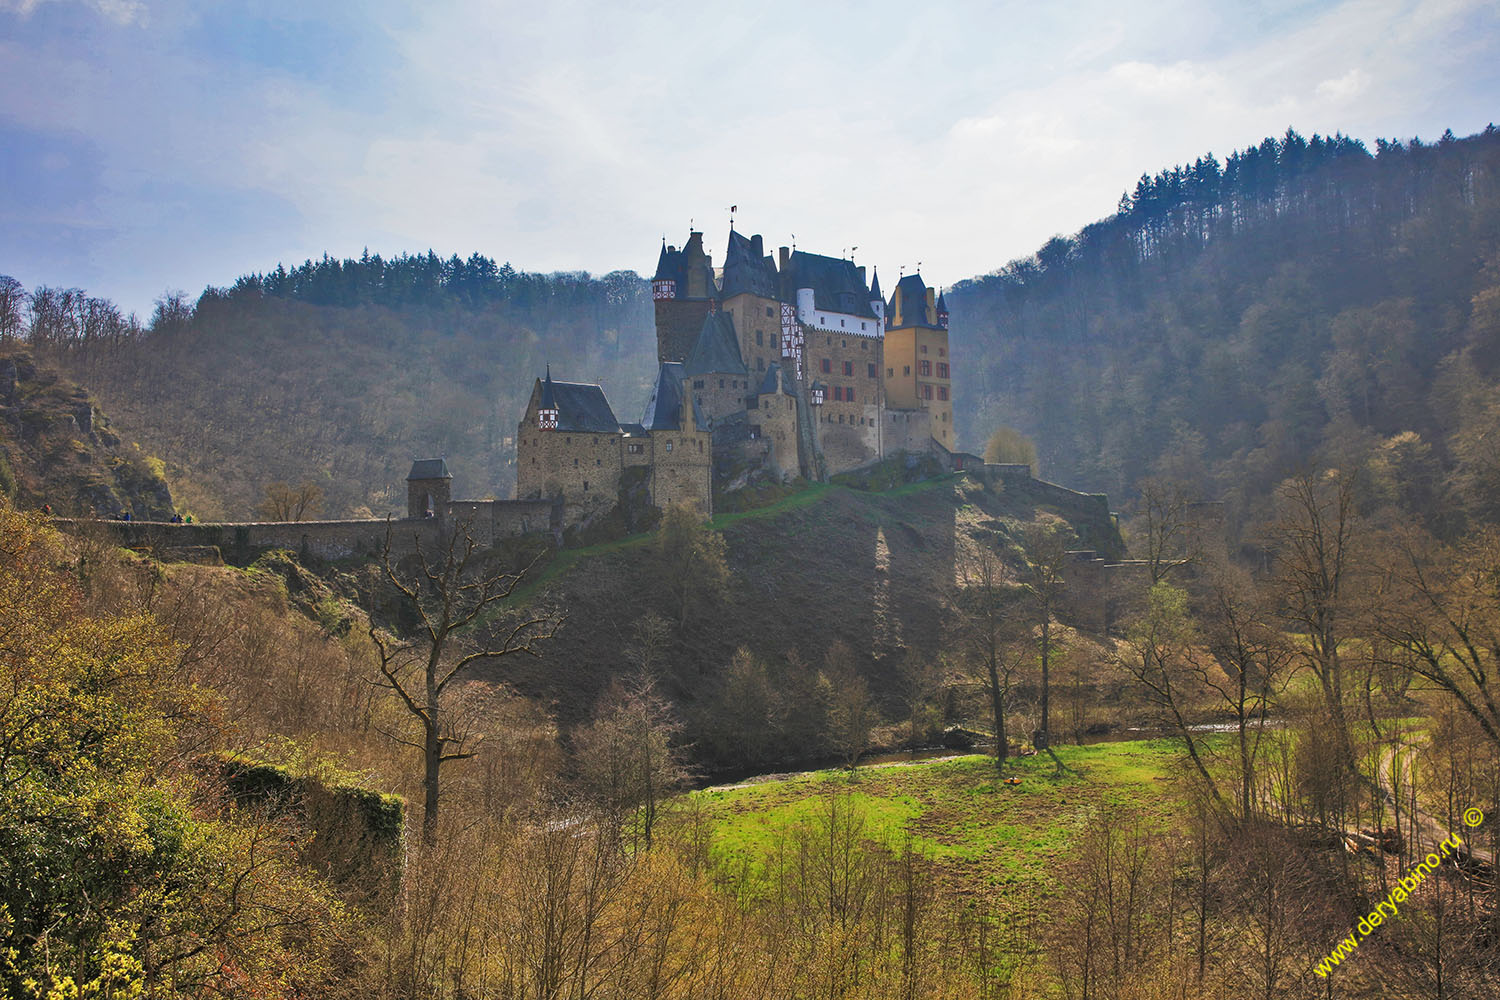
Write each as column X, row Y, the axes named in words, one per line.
column 717, row 349
column 549, row 398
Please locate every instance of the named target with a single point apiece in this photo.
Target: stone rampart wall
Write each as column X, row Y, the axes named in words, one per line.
column 242, row 542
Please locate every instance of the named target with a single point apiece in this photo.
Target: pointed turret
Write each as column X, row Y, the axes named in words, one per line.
column 875, row 286
column 668, row 266
column 942, row 311
column 546, row 411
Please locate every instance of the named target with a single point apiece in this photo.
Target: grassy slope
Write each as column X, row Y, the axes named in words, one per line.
column 980, row 834
column 824, row 565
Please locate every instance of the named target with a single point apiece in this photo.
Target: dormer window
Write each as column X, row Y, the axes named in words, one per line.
column 546, row 419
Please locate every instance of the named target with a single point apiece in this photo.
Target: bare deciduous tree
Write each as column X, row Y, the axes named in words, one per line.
column 1314, row 541
column 285, row 502
column 992, row 631
column 1044, row 548
column 448, row 592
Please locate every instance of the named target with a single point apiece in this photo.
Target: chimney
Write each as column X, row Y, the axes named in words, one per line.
column 786, row 255
column 757, row 247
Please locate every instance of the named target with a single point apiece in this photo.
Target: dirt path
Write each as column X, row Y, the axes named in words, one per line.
column 1431, row 830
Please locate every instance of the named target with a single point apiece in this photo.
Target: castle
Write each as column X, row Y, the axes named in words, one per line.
column 793, row 364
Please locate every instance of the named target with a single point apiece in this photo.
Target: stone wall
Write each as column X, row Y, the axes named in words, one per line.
column 492, row 520
column 682, row 469
column 1089, row 513
column 240, row 543
column 757, row 324
column 582, row 467
column 678, row 322
column 907, row 430
column 716, row 396
column 774, row 425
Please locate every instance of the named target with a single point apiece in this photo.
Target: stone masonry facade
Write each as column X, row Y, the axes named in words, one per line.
column 792, row 363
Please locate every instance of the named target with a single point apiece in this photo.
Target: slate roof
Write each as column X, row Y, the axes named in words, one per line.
column 875, row 285
column 837, row 285
column 673, row 264
column 914, row 304
column 747, row 268
column 664, row 407
column 582, row 407
column 547, row 401
column 768, row 384
column 429, row 468
column 717, row 349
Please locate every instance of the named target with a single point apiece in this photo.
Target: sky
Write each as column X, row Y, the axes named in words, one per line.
column 151, row 146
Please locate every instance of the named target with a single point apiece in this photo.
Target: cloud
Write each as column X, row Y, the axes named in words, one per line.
column 122, row 12
column 572, row 135
column 1343, row 88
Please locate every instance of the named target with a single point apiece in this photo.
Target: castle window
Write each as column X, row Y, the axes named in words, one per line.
column 697, row 383
column 926, row 392
column 942, row 369
column 864, row 345
column 890, row 373
column 906, row 369
column 760, row 338
column 769, row 312
column 872, row 369
column 575, row 463
column 942, row 392
column 862, row 324
column 843, row 343
column 838, row 392
column 634, row 449
column 924, row 368
column 598, row 461
column 941, row 352
column 827, row 366
column 848, row 367
column 669, row 446
column 841, row 322
column 924, row 348
column 721, row 383
column 841, row 418
column 585, row 486
column 760, row 364
column 849, row 394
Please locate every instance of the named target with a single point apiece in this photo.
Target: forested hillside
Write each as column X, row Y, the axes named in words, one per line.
column 1236, row 320
column 341, row 372
column 1301, row 300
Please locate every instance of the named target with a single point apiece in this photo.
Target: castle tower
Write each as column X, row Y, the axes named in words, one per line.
column 429, row 488
column 748, row 293
column 918, row 368
column 717, row 373
column 683, row 293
